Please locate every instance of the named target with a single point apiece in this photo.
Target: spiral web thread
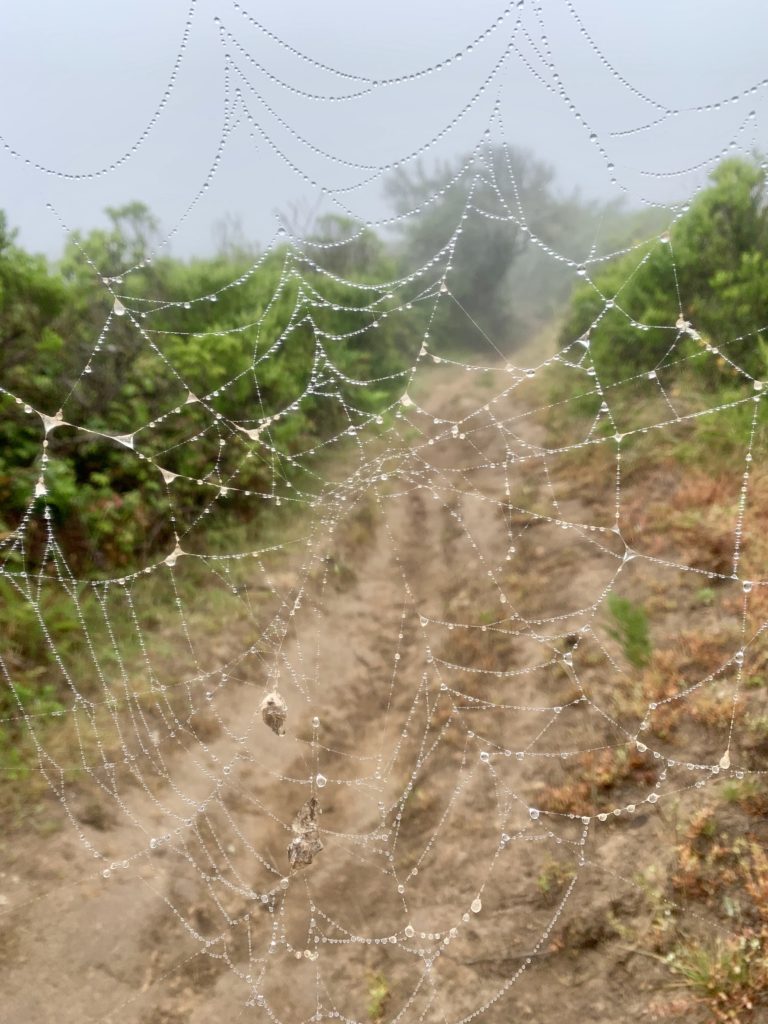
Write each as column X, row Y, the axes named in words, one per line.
column 420, row 727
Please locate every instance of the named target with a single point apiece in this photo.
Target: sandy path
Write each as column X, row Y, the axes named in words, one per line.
column 182, row 928
column 101, row 942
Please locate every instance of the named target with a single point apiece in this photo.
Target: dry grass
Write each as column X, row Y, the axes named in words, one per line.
column 680, row 503
column 725, row 971
column 595, row 780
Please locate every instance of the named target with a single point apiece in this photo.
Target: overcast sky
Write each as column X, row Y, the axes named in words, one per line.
column 81, row 81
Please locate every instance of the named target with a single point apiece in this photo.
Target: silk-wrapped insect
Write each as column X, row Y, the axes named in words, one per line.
column 274, row 711
column 306, row 840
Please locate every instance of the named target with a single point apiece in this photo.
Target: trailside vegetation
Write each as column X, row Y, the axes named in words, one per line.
column 700, row 286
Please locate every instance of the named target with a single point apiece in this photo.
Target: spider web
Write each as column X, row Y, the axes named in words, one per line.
column 338, row 757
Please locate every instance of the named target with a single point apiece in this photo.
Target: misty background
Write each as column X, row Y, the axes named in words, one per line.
column 85, row 79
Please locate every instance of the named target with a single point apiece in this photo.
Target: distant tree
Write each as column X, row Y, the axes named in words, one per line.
column 31, row 299
column 353, row 252
column 232, row 243
column 127, row 241
column 134, row 230
column 518, row 238
column 495, row 202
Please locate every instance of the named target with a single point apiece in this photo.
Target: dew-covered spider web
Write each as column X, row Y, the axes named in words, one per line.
column 356, row 729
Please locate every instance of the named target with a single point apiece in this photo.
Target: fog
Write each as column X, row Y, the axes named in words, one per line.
column 82, row 82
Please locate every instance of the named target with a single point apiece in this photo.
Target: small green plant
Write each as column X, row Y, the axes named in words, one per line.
column 630, row 629
column 736, row 791
column 728, row 975
column 758, row 724
column 552, row 879
column 705, row 597
column 378, row 997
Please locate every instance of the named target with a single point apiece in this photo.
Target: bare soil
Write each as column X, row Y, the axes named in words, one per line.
column 445, row 617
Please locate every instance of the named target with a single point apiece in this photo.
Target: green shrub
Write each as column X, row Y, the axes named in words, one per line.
column 717, row 255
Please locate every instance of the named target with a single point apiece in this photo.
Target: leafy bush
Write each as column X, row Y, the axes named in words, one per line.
column 278, row 337
column 719, row 251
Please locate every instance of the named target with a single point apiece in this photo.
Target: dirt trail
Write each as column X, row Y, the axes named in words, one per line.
column 420, row 790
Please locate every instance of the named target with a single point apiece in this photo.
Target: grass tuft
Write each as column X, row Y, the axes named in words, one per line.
column 630, row 629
